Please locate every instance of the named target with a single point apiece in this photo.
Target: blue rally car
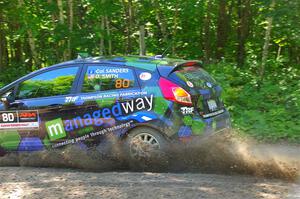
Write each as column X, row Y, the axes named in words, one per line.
column 145, row 101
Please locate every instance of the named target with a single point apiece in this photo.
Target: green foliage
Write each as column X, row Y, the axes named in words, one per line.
column 271, row 112
column 12, row 73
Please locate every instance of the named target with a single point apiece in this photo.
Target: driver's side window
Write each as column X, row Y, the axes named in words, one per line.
column 51, row 83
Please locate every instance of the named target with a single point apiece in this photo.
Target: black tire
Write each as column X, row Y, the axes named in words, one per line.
column 152, row 153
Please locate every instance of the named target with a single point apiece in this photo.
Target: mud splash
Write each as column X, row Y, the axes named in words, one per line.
column 223, row 154
column 230, row 154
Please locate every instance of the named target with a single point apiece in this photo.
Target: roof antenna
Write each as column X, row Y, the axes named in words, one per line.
column 164, row 53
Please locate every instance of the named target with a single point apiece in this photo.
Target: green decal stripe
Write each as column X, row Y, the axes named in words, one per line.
column 105, row 102
column 187, row 120
column 10, row 140
column 198, row 127
column 160, row 105
column 141, row 65
column 85, row 131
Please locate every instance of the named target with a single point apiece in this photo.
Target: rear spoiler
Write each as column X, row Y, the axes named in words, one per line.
column 187, row 64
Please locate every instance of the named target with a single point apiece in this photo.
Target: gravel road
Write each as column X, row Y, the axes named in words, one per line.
column 28, row 182
column 231, row 170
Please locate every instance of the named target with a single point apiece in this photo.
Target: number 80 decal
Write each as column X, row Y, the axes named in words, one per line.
column 122, row 83
column 8, row 117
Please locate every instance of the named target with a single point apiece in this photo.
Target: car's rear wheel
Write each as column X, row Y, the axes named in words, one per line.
column 145, row 145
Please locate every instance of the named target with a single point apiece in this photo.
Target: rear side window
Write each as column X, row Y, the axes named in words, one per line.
column 194, row 74
column 102, row 78
column 51, row 83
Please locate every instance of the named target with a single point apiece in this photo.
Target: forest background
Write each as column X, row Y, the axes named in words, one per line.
column 252, row 47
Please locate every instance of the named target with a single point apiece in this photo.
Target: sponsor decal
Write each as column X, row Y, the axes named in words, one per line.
column 208, row 84
column 212, row 114
column 21, row 120
column 106, row 73
column 92, row 134
column 28, row 116
column 187, row 110
column 79, row 100
column 145, row 76
column 57, row 128
column 190, row 84
column 71, row 99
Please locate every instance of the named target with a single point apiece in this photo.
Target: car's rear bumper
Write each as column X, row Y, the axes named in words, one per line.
column 200, row 127
column 217, row 124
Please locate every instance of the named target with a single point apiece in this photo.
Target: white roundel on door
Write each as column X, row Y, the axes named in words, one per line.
column 145, row 76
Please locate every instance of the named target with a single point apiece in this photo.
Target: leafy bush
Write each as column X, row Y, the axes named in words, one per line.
column 269, row 112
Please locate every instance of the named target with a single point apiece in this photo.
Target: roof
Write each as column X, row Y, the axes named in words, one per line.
column 142, row 62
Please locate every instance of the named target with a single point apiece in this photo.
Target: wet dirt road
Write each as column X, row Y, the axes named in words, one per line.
column 29, row 182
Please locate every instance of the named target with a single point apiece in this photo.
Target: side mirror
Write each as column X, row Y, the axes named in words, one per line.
column 7, row 99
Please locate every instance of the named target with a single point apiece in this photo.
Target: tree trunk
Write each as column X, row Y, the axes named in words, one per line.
column 102, row 47
column 161, row 21
column 61, row 11
column 62, row 42
column 31, row 40
column 297, row 55
column 17, row 44
column 131, row 16
column 19, row 52
column 222, row 29
column 33, row 48
column 175, row 30
column 71, row 22
column 265, row 51
column 142, row 40
column 108, row 36
column 3, row 48
column 53, row 18
column 207, row 42
column 55, row 45
column 28, row 53
column 129, row 27
column 278, row 53
column 244, row 7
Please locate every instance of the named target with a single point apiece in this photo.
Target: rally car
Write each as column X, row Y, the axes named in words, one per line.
column 146, row 100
